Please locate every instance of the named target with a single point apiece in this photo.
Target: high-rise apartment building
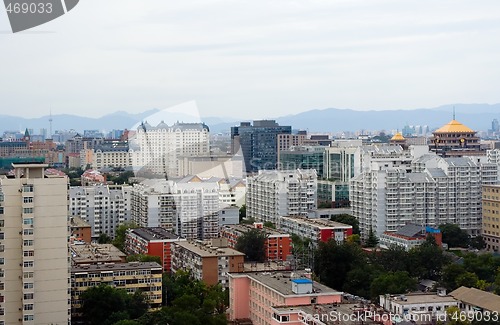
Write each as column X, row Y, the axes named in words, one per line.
column 272, row 194
column 258, row 143
column 157, row 149
column 104, row 207
column 188, row 207
column 34, row 267
column 431, row 192
column 491, row 217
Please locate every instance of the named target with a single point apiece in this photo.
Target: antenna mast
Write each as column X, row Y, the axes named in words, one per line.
column 50, row 122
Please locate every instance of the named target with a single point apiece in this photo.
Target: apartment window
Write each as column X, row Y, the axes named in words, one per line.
column 28, row 296
column 2, row 261
column 28, row 285
column 27, row 188
column 28, row 199
column 28, row 221
column 2, row 235
column 28, row 231
column 28, row 275
column 1, row 210
column 28, row 242
column 28, row 253
column 27, row 210
column 28, row 307
column 29, row 317
column 28, row 264
column 2, row 222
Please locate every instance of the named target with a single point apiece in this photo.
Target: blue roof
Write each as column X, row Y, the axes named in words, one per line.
column 302, row 281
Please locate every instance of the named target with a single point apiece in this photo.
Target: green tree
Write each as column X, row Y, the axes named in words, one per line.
column 477, row 242
column 190, row 302
column 392, row 283
column 450, row 275
column 121, row 233
column 243, row 212
column 348, row 220
column 372, row 240
column 107, row 305
column 354, row 238
column 359, row 280
column 467, row 279
column 454, row 236
column 143, row 258
column 252, row 244
column 104, row 239
column 427, row 260
column 333, row 261
column 396, row 258
column 269, row 224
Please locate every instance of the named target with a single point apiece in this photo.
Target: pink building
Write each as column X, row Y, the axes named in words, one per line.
column 253, row 295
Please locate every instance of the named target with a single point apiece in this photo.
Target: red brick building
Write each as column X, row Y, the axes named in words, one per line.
column 278, row 244
column 154, row 241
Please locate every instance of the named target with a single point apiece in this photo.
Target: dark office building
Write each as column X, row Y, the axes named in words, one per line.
column 258, row 143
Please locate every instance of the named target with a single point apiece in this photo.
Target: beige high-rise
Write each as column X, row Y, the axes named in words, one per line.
column 34, row 276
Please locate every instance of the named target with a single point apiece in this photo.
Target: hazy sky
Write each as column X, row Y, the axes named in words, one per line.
column 253, row 59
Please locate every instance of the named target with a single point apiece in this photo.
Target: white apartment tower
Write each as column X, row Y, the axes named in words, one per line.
column 188, row 207
column 272, row 194
column 104, row 207
column 34, row 255
column 158, row 149
column 431, row 192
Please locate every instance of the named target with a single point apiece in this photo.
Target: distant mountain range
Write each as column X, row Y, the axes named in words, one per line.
column 475, row 116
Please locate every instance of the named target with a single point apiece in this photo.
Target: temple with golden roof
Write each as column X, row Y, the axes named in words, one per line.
column 399, row 139
column 454, row 140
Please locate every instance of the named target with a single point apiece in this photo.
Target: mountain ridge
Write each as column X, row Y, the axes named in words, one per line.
column 475, row 116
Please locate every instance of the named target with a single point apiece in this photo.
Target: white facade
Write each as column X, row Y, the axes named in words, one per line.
column 430, row 192
column 157, row 149
column 419, row 307
column 111, row 157
column 272, row 194
column 104, row 207
column 188, row 207
column 34, row 255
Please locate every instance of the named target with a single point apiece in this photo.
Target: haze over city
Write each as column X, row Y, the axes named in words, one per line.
column 252, row 59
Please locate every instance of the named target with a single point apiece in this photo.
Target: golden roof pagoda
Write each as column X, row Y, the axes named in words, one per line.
column 454, row 127
column 398, row 137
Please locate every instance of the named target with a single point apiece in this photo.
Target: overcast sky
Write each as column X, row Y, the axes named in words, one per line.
column 253, row 59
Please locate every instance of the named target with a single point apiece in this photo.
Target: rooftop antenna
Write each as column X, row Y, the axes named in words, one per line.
column 50, row 122
column 453, row 112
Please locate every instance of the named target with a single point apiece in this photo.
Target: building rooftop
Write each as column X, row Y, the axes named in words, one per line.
column 454, row 127
column 421, row 298
column 398, row 137
column 114, row 267
column 78, row 222
column 207, row 250
column 245, row 228
column 348, row 313
column 154, row 233
column 95, row 253
column 282, row 282
column 320, row 223
column 476, row 297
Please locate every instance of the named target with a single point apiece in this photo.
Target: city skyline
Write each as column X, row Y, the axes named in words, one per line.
column 253, row 59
